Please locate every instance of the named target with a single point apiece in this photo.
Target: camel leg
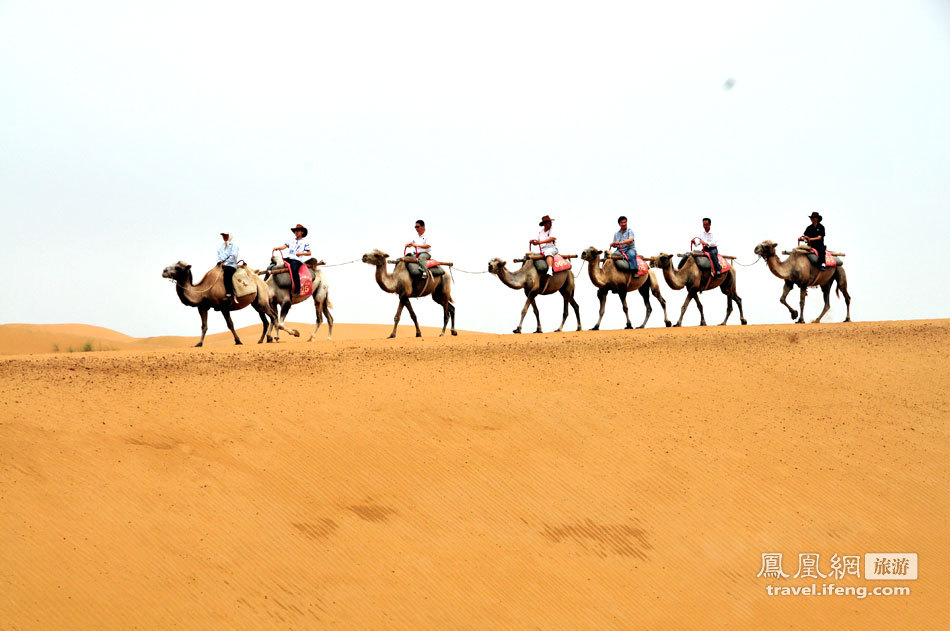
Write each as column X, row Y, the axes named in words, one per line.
column 524, row 312
column 577, row 312
column 329, row 317
column 402, row 301
column 689, row 297
column 602, row 296
column 826, row 294
column 563, row 319
column 265, row 323
column 843, row 288
column 412, row 314
column 227, row 318
column 622, row 294
column 318, row 307
column 655, row 290
column 204, row 326
column 645, row 294
column 445, row 313
column 801, row 315
column 699, row 305
column 537, row 314
column 788, row 287
column 452, row 316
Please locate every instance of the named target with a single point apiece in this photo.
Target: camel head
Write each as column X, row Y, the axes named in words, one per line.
column 766, row 249
column 662, row 260
column 495, row 266
column 178, row 272
column 376, row 257
column 591, row 253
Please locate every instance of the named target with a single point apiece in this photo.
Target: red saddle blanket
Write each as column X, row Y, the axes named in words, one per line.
column 431, row 263
column 723, row 263
column 306, row 279
column 830, row 260
column 561, row 263
column 642, row 266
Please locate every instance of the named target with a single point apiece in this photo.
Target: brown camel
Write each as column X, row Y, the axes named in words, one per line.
column 611, row 279
column 697, row 280
column 282, row 297
column 797, row 269
column 210, row 294
column 534, row 285
column 406, row 286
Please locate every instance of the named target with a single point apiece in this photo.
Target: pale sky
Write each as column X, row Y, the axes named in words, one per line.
column 132, row 133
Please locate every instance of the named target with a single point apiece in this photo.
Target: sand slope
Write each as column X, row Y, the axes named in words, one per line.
column 34, row 339
column 626, row 479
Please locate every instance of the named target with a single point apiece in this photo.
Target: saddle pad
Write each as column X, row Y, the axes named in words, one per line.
column 242, row 283
column 704, row 262
column 642, row 266
column 561, row 263
column 306, row 279
column 830, row 261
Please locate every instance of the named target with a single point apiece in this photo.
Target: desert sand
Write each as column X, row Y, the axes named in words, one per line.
column 595, row 480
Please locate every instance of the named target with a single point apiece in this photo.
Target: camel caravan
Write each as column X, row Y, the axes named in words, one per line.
column 294, row 276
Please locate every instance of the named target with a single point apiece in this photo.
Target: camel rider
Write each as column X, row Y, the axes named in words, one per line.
column 228, row 260
column 711, row 246
column 422, row 247
column 815, row 236
column 546, row 241
column 624, row 242
column 298, row 248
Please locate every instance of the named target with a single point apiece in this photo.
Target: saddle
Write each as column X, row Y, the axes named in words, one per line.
column 704, row 262
column 286, row 281
column 434, row 267
column 560, row 264
column 830, row 259
column 623, row 265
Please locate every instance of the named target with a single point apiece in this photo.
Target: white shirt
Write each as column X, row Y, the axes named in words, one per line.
column 708, row 238
column 296, row 246
column 547, row 234
column 422, row 239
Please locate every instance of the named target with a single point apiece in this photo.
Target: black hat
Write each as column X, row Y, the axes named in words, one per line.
column 299, row 227
column 815, row 215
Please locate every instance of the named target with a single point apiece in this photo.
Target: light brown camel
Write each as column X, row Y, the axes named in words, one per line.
column 534, row 285
column 210, row 294
column 282, row 297
column 406, row 286
column 611, row 279
column 798, row 270
column 697, row 280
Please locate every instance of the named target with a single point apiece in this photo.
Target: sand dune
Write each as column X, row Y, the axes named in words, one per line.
column 33, row 339
column 624, row 479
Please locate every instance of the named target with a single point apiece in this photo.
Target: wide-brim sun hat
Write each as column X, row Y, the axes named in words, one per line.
column 815, row 215
column 299, row 227
column 545, row 220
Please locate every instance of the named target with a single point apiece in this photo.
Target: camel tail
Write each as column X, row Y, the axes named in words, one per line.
column 329, row 304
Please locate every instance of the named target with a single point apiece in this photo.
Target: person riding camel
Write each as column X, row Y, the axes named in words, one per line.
column 228, row 260
column 625, row 244
column 298, row 248
column 711, row 246
column 815, row 237
column 422, row 246
column 546, row 241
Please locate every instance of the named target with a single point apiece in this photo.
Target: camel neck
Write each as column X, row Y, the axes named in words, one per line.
column 515, row 280
column 384, row 279
column 675, row 278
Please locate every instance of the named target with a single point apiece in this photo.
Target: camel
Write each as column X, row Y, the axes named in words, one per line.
column 697, row 280
column 282, row 297
column 406, row 286
column 534, row 285
column 209, row 294
column 798, row 270
column 610, row 279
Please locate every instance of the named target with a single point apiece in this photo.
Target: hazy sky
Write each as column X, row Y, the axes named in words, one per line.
column 132, row 133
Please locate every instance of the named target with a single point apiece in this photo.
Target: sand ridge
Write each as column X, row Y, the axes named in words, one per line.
column 461, row 482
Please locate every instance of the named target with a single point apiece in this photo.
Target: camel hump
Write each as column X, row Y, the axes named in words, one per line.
column 830, row 259
column 624, row 266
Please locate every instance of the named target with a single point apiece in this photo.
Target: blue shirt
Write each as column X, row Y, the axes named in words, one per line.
column 623, row 235
column 228, row 254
